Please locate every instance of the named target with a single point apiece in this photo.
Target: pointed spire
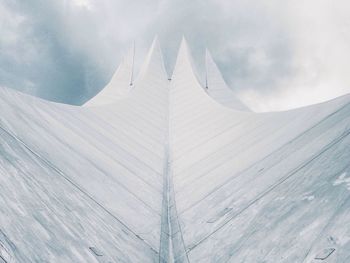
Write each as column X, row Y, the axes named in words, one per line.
column 183, row 50
column 184, row 45
column 184, row 63
column 119, row 85
column 183, row 59
column 154, row 60
column 214, row 76
column 219, row 90
column 133, row 64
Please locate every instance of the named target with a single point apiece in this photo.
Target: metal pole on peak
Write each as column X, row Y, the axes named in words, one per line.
column 206, row 69
column 133, row 62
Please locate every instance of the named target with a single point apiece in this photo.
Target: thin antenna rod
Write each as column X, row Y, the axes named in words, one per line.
column 133, row 62
column 206, row 69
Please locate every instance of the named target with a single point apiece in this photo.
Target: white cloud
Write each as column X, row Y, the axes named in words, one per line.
column 83, row 3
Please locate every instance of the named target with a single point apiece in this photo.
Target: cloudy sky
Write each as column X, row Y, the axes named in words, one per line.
column 275, row 54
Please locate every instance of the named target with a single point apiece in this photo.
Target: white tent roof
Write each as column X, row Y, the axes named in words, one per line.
column 167, row 173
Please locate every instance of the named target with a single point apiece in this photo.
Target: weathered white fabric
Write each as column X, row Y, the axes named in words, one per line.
column 168, row 172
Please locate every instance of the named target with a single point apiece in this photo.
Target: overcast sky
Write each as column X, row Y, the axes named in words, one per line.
column 274, row 54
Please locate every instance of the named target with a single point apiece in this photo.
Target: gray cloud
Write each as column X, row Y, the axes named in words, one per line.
column 274, row 54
